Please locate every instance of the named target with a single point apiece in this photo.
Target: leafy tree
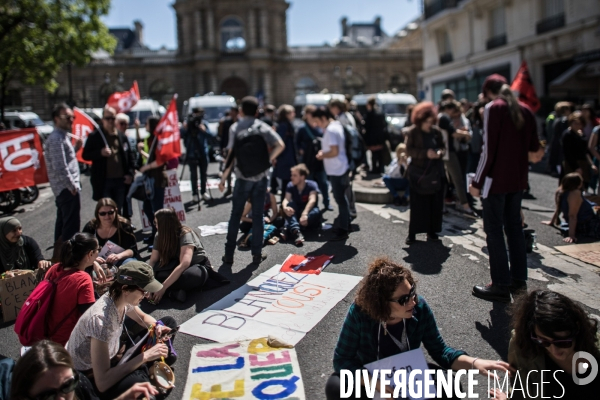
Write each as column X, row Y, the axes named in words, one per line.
column 39, row 37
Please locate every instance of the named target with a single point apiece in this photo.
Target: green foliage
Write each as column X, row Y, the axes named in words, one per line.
column 39, row 37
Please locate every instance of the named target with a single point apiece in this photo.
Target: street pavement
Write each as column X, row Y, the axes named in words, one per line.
column 446, row 272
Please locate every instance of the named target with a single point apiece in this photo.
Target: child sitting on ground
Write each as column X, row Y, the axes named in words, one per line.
column 395, row 180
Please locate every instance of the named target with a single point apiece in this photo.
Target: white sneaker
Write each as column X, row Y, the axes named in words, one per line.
column 195, row 198
column 205, row 197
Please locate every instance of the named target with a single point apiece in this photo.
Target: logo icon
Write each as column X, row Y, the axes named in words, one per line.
column 590, row 364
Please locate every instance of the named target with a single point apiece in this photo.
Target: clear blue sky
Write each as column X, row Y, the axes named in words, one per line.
column 309, row 21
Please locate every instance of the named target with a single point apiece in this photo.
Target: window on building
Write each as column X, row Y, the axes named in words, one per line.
column 161, row 91
column 232, row 36
column 551, row 8
column 306, row 85
column 464, row 87
column 553, row 16
column 497, row 28
column 444, row 47
column 399, row 83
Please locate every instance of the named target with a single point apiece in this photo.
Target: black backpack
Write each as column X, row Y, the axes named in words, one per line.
column 355, row 146
column 251, row 152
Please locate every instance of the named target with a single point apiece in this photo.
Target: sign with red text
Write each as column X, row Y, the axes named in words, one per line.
column 21, row 159
column 286, row 305
column 172, row 200
column 124, row 101
column 243, row 370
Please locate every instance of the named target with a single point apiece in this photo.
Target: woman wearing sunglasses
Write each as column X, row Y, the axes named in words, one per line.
column 46, row 372
column 388, row 318
column 108, row 225
column 549, row 329
column 95, row 343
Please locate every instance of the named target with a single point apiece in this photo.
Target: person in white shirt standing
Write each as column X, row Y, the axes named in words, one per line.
column 335, row 161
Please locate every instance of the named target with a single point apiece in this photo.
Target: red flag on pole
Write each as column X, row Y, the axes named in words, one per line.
column 83, row 125
column 22, row 162
column 524, row 86
column 167, row 134
column 124, row 101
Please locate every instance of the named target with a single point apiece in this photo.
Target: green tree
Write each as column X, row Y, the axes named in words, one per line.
column 39, row 37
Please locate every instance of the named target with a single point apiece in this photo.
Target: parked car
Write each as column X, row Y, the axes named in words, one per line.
column 27, row 119
column 142, row 110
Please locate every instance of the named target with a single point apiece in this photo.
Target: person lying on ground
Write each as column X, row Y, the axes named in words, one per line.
column 18, row 251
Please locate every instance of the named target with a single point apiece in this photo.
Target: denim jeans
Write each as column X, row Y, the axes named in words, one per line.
column 152, row 206
column 502, row 215
column 321, row 179
column 194, row 164
column 68, row 220
column 339, row 185
column 397, row 184
column 242, row 191
column 114, row 188
column 293, row 223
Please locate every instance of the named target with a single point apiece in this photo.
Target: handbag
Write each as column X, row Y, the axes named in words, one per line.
column 426, row 180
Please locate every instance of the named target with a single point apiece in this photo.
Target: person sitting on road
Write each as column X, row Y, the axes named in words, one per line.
column 548, row 330
column 74, row 288
column 577, row 211
column 389, row 318
column 270, row 213
column 178, row 259
column 396, row 180
column 95, row 343
column 107, row 225
column 18, row 251
column 46, row 371
column 300, row 205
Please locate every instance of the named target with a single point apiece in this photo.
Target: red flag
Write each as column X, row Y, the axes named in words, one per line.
column 167, row 134
column 83, row 125
column 124, row 101
column 524, row 86
column 305, row 265
column 22, row 161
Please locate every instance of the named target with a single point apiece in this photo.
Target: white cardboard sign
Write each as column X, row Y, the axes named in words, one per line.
column 172, row 199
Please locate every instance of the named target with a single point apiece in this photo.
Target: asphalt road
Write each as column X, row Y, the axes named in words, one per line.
column 446, row 272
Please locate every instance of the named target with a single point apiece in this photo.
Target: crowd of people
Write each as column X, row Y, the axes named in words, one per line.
column 454, row 152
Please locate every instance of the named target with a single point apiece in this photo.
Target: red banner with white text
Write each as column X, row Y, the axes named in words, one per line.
column 124, row 101
column 21, row 159
column 83, row 125
column 167, row 133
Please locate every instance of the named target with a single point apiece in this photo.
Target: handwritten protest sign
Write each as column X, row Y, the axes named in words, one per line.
column 172, row 199
column 243, row 370
column 408, row 361
column 110, row 248
column 14, row 291
column 283, row 304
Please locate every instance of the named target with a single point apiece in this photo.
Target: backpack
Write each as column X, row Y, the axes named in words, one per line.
column 31, row 325
column 251, row 151
column 355, row 147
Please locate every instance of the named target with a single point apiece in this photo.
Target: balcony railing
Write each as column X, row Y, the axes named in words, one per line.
column 550, row 23
column 446, row 58
column 495, row 41
column 436, row 6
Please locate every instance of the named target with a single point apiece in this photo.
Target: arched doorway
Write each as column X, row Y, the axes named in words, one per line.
column 235, row 87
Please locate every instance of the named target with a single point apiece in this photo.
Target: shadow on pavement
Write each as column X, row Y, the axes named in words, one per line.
column 427, row 257
column 497, row 330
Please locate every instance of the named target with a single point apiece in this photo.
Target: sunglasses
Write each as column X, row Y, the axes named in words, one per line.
column 69, row 117
column 145, row 292
column 69, row 386
column 402, row 300
column 561, row 343
column 105, row 213
column 109, row 118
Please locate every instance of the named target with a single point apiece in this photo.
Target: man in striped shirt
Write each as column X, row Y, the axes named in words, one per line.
column 63, row 173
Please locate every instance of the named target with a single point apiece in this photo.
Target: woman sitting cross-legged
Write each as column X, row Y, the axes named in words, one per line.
column 107, row 225
column 95, row 343
column 179, row 259
column 18, row 251
column 388, row 318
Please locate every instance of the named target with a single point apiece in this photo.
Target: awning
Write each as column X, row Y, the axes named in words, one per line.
column 581, row 80
column 568, row 74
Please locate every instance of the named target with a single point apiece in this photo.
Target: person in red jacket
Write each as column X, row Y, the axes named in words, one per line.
column 510, row 142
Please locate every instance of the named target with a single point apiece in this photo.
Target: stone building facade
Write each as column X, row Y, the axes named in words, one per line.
column 240, row 47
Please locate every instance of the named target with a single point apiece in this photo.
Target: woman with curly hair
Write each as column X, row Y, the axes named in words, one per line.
column 548, row 329
column 388, row 318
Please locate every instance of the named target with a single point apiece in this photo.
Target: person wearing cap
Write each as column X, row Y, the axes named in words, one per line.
column 196, row 147
column 94, row 344
column 510, row 142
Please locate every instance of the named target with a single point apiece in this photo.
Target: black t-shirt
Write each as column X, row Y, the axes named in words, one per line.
column 301, row 198
column 446, row 124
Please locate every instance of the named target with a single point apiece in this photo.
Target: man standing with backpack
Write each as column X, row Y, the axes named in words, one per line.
column 252, row 147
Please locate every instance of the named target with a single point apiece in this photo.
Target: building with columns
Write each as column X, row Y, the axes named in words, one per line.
column 240, row 48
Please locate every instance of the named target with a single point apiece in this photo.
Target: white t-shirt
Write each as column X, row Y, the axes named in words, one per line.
column 334, row 136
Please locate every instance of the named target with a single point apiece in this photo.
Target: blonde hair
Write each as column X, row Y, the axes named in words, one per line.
column 513, row 105
column 401, row 148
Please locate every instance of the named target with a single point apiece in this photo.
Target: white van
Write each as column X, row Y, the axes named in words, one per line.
column 26, row 119
column 142, row 110
column 215, row 107
column 316, row 99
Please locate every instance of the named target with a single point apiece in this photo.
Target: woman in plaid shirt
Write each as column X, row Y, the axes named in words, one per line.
column 388, row 318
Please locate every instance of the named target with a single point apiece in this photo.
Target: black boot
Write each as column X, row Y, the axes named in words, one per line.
column 178, row 295
column 517, row 287
column 491, row 292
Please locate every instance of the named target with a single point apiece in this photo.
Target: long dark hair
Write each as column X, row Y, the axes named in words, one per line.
column 379, row 285
column 42, row 356
column 75, row 249
column 552, row 312
column 119, row 222
column 169, row 231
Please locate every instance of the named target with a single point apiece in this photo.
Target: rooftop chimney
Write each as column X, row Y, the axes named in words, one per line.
column 344, row 27
column 139, row 32
column 378, row 26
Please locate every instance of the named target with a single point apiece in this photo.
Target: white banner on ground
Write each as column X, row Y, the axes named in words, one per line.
column 283, row 304
column 172, row 199
column 245, row 370
column 211, row 183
